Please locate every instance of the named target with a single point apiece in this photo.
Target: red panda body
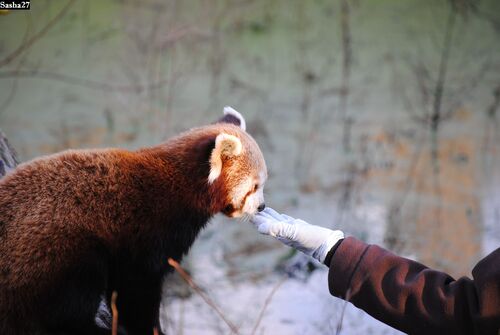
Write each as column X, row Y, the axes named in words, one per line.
column 78, row 225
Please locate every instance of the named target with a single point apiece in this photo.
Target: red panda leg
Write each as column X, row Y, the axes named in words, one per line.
column 138, row 299
column 70, row 306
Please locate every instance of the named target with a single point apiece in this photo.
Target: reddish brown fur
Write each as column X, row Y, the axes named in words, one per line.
column 79, row 224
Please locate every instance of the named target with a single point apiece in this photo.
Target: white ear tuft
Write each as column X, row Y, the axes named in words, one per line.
column 226, row 146
column 235, row 113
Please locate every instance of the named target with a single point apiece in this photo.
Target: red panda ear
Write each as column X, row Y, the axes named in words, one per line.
column 226, row 146
column 232, row 116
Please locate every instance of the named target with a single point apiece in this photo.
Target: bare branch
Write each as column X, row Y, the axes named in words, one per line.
column 443, row 67
column 31, row 41
column 90, row 84
column 195, row 287
column 8, row 156
column 266, row 303
column 114, row 310
column 493, row 108
column 346, row 71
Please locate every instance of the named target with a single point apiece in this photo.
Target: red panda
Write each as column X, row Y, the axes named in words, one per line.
column 80, row 224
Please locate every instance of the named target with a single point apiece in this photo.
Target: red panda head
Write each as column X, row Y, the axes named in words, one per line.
column 237, row 162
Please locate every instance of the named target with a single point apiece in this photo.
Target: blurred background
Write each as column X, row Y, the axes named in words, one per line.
column 380, row 118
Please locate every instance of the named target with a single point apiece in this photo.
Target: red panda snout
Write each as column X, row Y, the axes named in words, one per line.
column 246, row 197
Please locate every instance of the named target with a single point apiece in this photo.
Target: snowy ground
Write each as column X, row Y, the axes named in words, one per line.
column 249, row 286
column 296, row 308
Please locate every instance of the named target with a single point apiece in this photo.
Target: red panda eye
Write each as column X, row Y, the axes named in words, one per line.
column 255, row 187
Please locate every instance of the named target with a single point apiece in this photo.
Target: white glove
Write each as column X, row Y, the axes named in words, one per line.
column 312, row 240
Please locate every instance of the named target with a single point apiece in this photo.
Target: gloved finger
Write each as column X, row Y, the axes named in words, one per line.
column 272, row 228
column 288, row 218
column 301, row 222
column 263, row 229
column 268, row 228
column 272, row 213
column 260, row 219
column 266, row 215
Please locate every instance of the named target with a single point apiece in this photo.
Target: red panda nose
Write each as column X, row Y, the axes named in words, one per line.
column 261, row 207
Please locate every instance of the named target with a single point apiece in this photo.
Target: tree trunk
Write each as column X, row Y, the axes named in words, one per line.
column 8, row 156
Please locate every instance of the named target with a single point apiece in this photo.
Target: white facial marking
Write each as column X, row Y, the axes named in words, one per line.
column 241, row 190
column 253, row 201
column 256, row 198
column 263, row 177
column 225, row 145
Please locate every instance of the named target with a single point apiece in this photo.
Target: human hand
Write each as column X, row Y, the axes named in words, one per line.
column 312, row 240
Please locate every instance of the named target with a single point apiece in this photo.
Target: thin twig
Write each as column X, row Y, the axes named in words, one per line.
column 342, row 314
column 114, row 311
column 345, row 28
column 195, row 287
column 29, row 43
column 349, row 293
column 266, row 303
column 494, row 106
column 442, row 72
column 90, row 84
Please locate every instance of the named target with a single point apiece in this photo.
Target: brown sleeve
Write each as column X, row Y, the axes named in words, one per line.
column 410, row 297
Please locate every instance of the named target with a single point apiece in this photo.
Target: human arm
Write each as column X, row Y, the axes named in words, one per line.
column 400, row 292
column 413, row 298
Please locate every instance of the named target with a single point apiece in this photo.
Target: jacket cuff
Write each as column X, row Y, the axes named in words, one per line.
column 343, row 264
column 330, row 253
